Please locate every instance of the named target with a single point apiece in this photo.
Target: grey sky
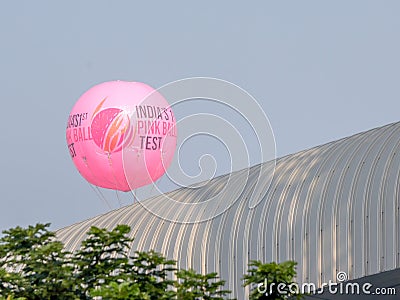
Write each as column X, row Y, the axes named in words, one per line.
column 321, row 70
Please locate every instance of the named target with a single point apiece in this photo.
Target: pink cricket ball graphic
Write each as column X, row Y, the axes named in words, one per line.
column 111, row 129
column 112, row 137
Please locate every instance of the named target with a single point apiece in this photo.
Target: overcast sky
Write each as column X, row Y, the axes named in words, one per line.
column 321, row 70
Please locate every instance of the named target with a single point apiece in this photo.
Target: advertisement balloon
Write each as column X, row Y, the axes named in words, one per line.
column 121, row 135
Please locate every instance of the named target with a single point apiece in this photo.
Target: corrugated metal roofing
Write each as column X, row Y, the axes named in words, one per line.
column 331, row 208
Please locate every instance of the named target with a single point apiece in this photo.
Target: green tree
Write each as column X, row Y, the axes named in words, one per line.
column 194, row 286
column 104, row 268
column 11, row 297
column 34, row 265
column 271, row 281
column 152, row 272
column 120, row 291
column 101, row 259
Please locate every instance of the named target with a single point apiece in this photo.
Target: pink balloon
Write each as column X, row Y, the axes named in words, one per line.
column 121, row 135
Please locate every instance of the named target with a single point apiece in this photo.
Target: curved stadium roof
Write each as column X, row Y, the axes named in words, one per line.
column 331, row 208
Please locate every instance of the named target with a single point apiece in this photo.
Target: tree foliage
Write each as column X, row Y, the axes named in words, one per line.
column 34, row 265
column 272, row 281
column 191, row 285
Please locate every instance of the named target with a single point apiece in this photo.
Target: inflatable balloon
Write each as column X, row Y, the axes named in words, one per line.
column 121, row 135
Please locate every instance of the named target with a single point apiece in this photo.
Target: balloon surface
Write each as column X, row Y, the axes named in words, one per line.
column 121, row 135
